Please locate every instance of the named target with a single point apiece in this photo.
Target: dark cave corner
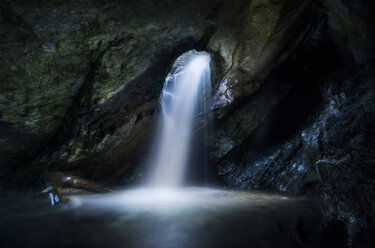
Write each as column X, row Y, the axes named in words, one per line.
column 291, row 113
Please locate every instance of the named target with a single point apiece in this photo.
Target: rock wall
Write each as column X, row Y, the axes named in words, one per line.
column 80, row 80
column 308, row 128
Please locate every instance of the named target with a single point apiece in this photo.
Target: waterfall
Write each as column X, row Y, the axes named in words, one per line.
column 183, row 95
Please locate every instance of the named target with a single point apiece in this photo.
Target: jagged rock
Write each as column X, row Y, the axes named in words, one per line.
column 330, row 154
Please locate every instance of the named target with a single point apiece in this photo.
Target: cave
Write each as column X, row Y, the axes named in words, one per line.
column 185, row 123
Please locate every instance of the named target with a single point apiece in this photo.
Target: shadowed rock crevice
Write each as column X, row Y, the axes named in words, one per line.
column 232, row 129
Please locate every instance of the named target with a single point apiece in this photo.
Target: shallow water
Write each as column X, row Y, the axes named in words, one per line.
column 189, row 217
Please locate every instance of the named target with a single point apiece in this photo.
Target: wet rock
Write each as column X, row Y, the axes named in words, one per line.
column 289, row 93
column 53, row 195
column 59, row 185
column 331, row 155
column 246, row 116
column 344, row 154
column 49, row 47
column 274, row 169
column 64, row 182
column 331, row 142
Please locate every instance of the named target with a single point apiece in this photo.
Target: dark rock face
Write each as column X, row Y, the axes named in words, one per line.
column 268, row 31
column 344, row 152
column 80, row 81
column 284, row 103
column 317, row 138
column 331, row 155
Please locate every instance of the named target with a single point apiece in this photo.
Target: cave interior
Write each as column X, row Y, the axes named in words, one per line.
column 280, row 148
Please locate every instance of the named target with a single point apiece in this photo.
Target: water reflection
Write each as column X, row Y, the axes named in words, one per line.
column 191, row 217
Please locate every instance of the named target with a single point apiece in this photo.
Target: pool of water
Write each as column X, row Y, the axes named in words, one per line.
column 189, row 217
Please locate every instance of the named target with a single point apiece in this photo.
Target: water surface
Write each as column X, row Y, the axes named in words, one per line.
column 189, row 217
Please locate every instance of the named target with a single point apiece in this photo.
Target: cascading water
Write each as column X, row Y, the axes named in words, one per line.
column 182, row 98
